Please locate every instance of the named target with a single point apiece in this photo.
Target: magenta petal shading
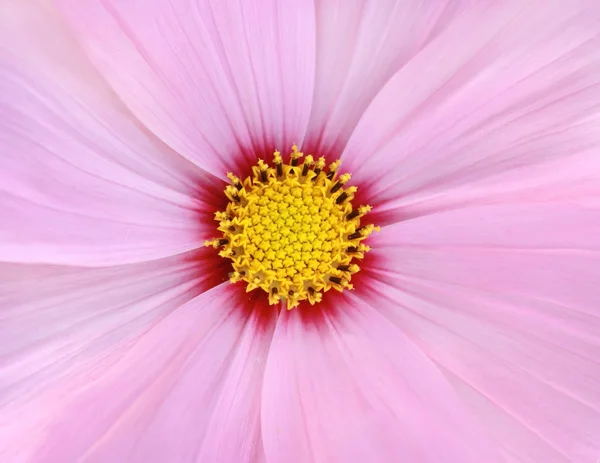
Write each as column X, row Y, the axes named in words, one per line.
column 360, row 45
column 355, row 388
column 504, row 87
column 81, row 182
column 169, row 392
column 208, row 78
column 504, row 297
column 61, row 328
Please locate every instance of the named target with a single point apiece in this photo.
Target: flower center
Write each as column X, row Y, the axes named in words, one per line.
column 290, row 229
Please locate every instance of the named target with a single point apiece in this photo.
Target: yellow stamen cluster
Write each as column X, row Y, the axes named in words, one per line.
column 290, row 229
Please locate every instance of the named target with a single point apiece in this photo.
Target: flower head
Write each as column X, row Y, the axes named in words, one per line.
column 416, row 181
column 291, row 230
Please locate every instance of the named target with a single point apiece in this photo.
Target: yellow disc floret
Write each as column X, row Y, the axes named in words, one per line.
column 290, row 229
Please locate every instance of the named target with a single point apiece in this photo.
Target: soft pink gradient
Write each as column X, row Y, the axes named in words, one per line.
column 206, row 77
column 472, row 127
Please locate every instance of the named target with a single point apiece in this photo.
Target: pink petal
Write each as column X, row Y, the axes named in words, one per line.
column 360, row 45
column 81, row 182
column 505, row 87
column 187, row 389
column 233, row 433
column 209, row 78
column 61, row 328
column 355, row 388
column 505, row 298
column 568, row 178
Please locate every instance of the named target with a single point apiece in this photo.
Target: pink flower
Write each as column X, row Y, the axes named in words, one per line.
column 473, row 331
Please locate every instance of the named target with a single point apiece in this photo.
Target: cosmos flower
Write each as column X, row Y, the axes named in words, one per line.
column 455, row 321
